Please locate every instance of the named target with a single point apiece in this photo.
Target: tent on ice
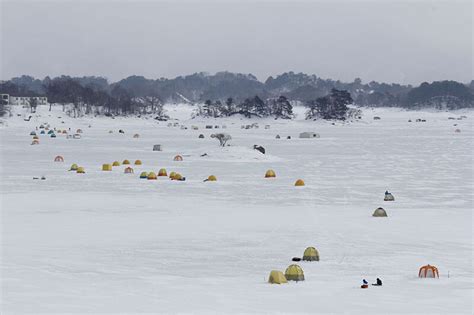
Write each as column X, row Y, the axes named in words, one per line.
column 379, row 212
column 309, row 135
column 294, row 273
column 311, row 254
column 277, row 277
column 428, row 271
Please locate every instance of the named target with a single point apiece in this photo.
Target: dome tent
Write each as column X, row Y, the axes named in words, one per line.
column 178, row 158
column 172, row 175
column 299, row 182
column 138, row 162
column 80, row 170
column 116, row 163
column 270, row 174
column 162, row 172
column 151, row 176
column 59, row 159
column 277, row 277
column 128, row 170
column 428, row 271
column 73, row 167
column 143, row 175
column 126, row 162
column 311, row 254
column 379, row 212
column 211, row 178
column 294, row 273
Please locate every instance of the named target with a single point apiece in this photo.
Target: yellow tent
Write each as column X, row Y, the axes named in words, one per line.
column 80, row 170
column 151, row 175
column 138, row 162
column 177, row 176
column 143, row 175
column 277, row 277
column 116, row 163
column 311, row 254
column 126, row 162
column 294, row 273
column 270, row 174
column 73, row 167
column 172, row 175
column 212, row 178
column 299, row 182
column 106, row 167
column 162, row 172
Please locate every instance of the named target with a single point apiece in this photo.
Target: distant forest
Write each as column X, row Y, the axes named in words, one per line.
column 211, row 93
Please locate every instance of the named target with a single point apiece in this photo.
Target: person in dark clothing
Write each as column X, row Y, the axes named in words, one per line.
column 379, row 282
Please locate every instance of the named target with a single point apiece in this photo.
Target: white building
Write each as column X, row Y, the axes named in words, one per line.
column 24, row 100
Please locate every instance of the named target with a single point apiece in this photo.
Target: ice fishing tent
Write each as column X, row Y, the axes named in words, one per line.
column 212, row 178
column 32, row 133
column 42, row 132
column 143, row 175
column 172, row 175
column 116, row 163
column 299, row 182
column 428, row 271
column 128, row 170
column 35, row 137
column 277, row 277
column 294, row 273
column 73, row 167
column 59, row 159
column 151, row 176
column 79, row 131
column 308, row 135
column 34, row 142
column 157, row 147
column 178, row 158
column 126, row 162
column 53, row 135
column 270, row 174
column 201, row 136
column 388, row 197
column 162, row 172
column 80, row 170
column 277, row 137
column 379, row 212
column 311, row 254
column 177, row 176
column 106, row 167
column 136, row 136
column 138, row 162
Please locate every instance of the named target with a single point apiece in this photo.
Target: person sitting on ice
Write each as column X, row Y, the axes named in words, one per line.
column 365, row 284
column 379, row 282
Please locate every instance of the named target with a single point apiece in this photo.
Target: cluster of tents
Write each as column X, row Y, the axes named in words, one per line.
column 45, row 129
column 293, row 272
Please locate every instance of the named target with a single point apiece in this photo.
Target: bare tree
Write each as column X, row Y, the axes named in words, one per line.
column 33, row 101
column 222, row 137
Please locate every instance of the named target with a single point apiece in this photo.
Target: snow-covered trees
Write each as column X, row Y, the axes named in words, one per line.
column 332, row 106
column 281, row 108
column 250, row 107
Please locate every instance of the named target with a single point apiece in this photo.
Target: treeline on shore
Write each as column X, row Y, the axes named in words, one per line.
column 226, row 94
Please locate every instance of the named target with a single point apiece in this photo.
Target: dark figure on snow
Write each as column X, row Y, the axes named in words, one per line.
column 379, row 282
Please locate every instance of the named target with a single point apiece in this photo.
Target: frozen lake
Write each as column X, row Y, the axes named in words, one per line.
column 109, row 242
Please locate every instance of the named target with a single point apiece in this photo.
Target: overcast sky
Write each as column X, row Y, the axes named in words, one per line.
column 391, row 41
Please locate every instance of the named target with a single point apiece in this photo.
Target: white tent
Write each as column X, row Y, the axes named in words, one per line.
column 308, row 134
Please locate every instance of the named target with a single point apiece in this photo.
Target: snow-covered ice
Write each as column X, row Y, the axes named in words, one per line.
column 109, row 242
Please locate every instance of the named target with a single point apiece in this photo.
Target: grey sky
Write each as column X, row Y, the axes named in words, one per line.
column 391, row 41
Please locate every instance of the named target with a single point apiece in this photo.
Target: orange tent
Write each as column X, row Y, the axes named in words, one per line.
column 428, row 271
column 178, row 158
column 59, row 159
